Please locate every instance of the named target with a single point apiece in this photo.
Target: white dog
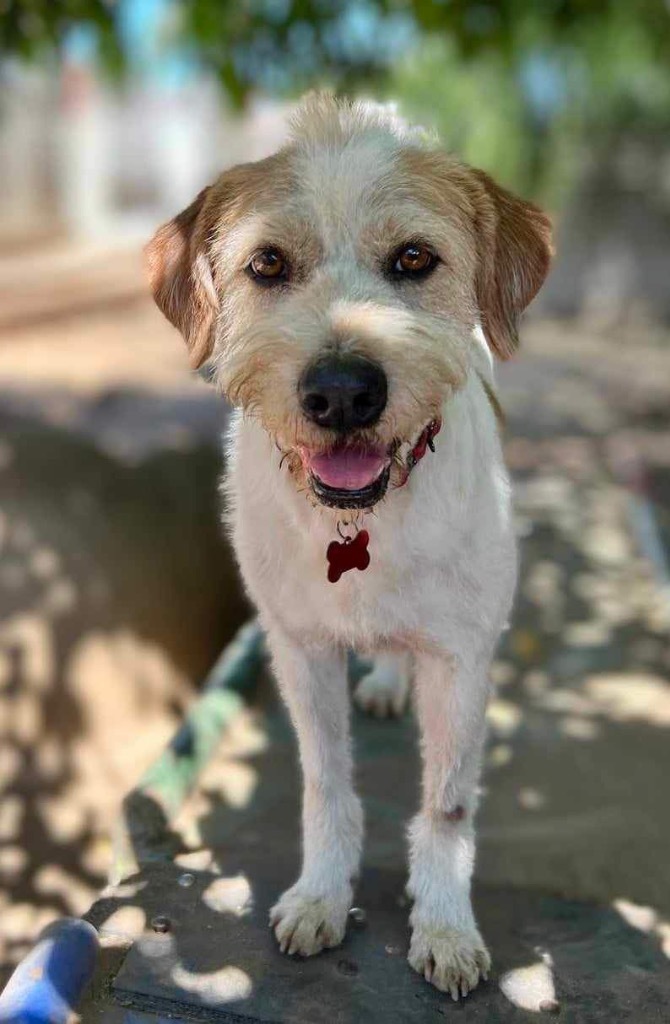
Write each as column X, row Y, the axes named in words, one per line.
column 350, row 291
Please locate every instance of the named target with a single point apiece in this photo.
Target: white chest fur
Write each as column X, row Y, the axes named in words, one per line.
column 442, row 548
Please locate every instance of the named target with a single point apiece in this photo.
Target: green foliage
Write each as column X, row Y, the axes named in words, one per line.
column 476, row 108
column 34, row 29
column 516, row 86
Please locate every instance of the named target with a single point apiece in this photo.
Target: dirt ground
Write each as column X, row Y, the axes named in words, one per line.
column 117, row 590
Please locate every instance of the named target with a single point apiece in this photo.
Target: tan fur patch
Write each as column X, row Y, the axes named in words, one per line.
column 352, row 185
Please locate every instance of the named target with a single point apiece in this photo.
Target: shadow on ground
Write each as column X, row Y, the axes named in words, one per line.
column 117, row 592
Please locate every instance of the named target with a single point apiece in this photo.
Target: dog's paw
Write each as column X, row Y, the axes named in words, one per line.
column 450, row 959
column 382, row 692
column 306, row 924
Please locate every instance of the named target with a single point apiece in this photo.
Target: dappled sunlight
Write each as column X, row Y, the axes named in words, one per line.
column 499, row 755
column 115, row 598
column 531, row 799
column 646, row 920
column 217, row 988
column 504, row 718
column 620, row 697
column 129, row 921
column 133, row 678
column 532, row 988
column 229, row 781
column 105, row 624
column 631, row 696
column 229, row 895
column 575, row 792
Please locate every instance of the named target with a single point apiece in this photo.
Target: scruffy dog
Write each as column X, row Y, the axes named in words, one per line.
column 349, row 292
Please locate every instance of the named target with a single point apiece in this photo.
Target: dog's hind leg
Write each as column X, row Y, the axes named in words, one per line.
column 383, row 691
column 312, row 914
column 451, row 697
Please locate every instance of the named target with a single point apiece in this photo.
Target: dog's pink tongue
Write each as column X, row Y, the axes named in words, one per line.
column 348, row 469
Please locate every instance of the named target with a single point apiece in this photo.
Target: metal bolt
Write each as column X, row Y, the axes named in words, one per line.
column 186, row 880
column 358, row 917
column 161, row 923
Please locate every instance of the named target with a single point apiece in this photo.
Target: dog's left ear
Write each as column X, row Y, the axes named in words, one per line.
column 181, row 277
column 514, row 252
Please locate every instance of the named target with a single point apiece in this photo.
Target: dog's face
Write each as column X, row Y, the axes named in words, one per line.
column 336, row 285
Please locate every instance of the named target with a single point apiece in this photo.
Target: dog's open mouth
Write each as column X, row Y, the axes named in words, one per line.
column 348, row 476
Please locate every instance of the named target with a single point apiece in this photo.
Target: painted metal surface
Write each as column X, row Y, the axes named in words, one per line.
column 46, row 986
column 141, row 834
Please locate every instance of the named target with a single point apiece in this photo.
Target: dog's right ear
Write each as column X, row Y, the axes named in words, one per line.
column 181, row 278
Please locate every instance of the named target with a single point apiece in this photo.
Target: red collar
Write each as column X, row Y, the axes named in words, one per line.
column 419, row 450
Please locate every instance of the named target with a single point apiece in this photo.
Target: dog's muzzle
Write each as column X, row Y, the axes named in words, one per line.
column 348, row 476
column 364, row 497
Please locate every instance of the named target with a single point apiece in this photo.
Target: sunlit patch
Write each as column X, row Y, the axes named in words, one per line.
column 606, row 543
column 503, row 717
column 229, row 896
column 246, row 737
column 532, row 988
column 581, row 729
column 126, row 922
column 133, row 678
column 64, row 818
column 238, row 784
column 620, row 697
column 629, row 696
column 198, row 860
column 645, row 919
column 44, row 563
column 531, row 799
column 500, row 755
column 11, row 813
column 21, row 921
column 54, row 880
column 595, row 633
column 13, row 860
column 123, row 891
column 226, row 985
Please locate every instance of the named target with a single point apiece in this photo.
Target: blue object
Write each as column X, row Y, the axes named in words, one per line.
column 47, row 985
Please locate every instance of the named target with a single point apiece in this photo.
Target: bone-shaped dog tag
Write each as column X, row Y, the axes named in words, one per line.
column 352, row 553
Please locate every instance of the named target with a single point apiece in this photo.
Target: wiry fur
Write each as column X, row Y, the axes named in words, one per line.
column 351, row 185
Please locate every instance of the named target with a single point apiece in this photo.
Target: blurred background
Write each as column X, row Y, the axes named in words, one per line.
column 116, row 588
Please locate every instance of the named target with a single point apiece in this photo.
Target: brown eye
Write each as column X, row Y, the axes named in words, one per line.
column 414, row 260
column 268, row 265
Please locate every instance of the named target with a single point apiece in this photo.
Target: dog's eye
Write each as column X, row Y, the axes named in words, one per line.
column 414, row 260
column 268, row 265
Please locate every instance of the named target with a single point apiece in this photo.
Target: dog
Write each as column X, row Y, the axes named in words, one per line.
column 350, row 293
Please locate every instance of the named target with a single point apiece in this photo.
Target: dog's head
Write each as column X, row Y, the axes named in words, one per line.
column 336, row 285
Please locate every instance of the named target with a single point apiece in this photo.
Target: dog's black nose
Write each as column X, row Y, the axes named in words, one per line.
column 344, row 392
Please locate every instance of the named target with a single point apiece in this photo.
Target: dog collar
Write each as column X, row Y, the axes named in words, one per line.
column 352, row 552
column 426, row 440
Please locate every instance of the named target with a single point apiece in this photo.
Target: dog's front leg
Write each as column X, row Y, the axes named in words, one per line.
column 446, row 947
column 312, row 914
